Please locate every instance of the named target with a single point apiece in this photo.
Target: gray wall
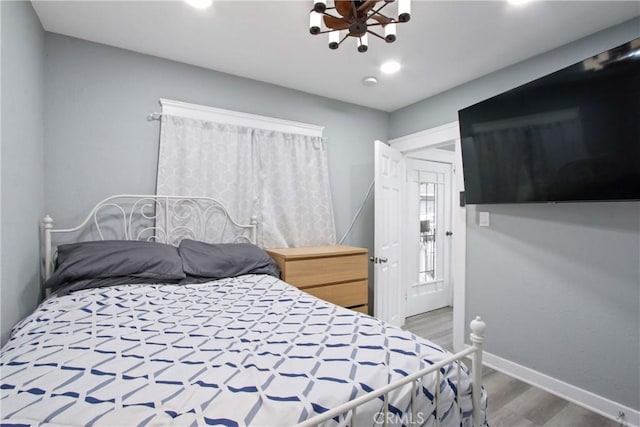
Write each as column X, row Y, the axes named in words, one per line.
column 22, row 160
column 559, row 284
column 99, row 142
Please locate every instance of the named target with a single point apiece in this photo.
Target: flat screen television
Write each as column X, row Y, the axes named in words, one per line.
column 573, row 135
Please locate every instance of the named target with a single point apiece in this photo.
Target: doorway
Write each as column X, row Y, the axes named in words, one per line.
column 442, row 144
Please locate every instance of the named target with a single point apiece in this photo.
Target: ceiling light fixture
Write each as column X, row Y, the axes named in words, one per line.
column 390, row 67
column 518, row 2
column 359, row 18
column 199, row 4
column 369, row 81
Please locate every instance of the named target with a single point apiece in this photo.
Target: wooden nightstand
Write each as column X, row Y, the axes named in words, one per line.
column 334, row 273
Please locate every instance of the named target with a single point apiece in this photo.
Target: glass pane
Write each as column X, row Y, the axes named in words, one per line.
column 428, row 201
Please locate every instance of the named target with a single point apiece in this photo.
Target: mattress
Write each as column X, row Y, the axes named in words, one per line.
column 249, row 350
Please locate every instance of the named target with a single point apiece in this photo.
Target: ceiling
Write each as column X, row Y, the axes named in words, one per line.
column 445, row 44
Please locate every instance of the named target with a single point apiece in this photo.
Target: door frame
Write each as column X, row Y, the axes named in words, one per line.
column 433, row 138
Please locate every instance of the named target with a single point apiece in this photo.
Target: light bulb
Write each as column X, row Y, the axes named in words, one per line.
column 314, row 22
column 363, row 43
column 404, row 10
column 334, row 39
column 390, row 33
column 320, row 6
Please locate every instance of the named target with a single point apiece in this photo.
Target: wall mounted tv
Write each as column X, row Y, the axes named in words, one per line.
column 573, row 135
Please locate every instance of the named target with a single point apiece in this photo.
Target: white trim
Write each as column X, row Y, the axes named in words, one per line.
column 458, row 251
column 236, row 118
column 433, row 137
column 433, row 155
column 589, row 400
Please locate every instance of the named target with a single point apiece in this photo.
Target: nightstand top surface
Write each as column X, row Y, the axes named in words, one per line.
column 316, row 251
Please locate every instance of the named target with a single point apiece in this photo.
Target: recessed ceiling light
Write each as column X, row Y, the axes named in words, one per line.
column 518, row 2
column 199, row 4
column 390, row 67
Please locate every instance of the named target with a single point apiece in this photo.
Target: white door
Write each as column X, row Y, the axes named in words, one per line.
column 428, row 263
column 389, row 294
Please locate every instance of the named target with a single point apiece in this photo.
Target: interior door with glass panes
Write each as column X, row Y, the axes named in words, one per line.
column 428, row 233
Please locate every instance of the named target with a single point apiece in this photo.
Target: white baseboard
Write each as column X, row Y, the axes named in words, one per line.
column 591, row 401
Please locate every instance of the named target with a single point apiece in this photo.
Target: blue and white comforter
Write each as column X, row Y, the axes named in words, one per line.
column 250, row 350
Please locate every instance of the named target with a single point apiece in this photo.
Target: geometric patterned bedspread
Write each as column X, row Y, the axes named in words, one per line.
column 249, row 350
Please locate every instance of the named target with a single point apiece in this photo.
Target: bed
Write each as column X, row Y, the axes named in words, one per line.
column 212, row 337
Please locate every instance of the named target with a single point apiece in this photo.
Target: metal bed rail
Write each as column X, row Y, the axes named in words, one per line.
column 478, row 328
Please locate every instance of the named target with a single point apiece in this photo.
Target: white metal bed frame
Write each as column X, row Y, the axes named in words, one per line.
column 478, row 328
column 169, row 219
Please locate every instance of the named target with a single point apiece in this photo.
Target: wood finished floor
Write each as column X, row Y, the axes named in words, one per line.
column 511, row 403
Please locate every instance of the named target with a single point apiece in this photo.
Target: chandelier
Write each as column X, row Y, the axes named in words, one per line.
column 358, row 19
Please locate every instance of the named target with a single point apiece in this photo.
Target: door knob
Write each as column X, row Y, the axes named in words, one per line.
column 383, row 259
column 449, row 233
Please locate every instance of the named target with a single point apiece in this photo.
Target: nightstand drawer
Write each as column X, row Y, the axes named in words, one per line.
column 334, row 273
column 344, row 294
column 318, row 271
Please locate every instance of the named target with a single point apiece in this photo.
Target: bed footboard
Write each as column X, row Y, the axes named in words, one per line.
column 478, row 328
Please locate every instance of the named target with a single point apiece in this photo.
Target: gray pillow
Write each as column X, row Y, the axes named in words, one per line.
column 116, row 258
column 220, row 260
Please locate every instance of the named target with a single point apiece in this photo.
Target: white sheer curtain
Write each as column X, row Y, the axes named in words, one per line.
column 295, row 198
column 280, row 178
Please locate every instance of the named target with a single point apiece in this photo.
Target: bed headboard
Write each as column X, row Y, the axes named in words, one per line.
column 165, row 219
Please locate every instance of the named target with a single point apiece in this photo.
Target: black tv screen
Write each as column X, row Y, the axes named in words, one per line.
column 573, row 135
